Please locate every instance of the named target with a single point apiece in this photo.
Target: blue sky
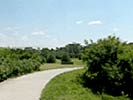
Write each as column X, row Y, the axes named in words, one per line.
column 55, row 23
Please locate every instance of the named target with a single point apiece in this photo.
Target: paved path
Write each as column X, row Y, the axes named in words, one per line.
column 28, row 87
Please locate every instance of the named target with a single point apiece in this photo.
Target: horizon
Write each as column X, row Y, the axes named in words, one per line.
column 11, row 47
column 56, row 23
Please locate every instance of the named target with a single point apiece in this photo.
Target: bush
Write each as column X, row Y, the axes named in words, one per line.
column 51, row 58
column 109, row 66
column 66, row 59
column 43, row 60
column 17, row 62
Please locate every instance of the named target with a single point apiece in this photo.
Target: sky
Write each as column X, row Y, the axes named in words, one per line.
column 55, row 23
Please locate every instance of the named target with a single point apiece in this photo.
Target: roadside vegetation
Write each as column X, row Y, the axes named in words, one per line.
column 109, row 67
column 69, row 86
column 108, row 74
column 108, row 71
column 18, row 61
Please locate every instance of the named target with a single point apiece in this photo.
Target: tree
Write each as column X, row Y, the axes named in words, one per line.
column 66, row 59
column 51, row 58
column 14, row 62
column 59, row 52
column 74, row 50
column 109, row 66
column 45, row 53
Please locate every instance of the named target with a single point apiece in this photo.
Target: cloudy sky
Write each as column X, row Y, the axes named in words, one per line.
column 54, row 23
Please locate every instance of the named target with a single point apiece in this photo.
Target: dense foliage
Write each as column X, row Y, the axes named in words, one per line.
column 51, row 58
column 73, row 50
column 109, row 64
column 15, row 62
column 66, row 59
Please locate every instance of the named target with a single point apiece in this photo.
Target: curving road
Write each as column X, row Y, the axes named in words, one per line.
column 28, row 87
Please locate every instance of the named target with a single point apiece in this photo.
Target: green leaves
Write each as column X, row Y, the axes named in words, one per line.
column 15, row 62
column 65, row 59
column 110, row 63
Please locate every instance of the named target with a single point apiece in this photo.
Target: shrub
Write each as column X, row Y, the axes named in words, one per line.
column 109, row 66
column 17, row 62
column 51, row 58
column 43, row 60
column 66, row 59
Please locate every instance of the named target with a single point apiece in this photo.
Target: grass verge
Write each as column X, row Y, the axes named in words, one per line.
column 67, row 87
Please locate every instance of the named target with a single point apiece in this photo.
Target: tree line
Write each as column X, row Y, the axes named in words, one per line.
column 18, row 61
column 109, row 63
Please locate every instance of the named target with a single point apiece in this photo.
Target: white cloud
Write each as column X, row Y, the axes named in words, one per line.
column 96, row 22
column 115, row 29
column 48, row 36
column 79, row 22
column 39, row 33
column 11, row 28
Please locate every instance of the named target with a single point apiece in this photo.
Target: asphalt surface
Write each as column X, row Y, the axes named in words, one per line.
column 28, row 87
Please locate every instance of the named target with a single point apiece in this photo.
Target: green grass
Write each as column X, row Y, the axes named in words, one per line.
column 77, row 63
column 67, row 87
